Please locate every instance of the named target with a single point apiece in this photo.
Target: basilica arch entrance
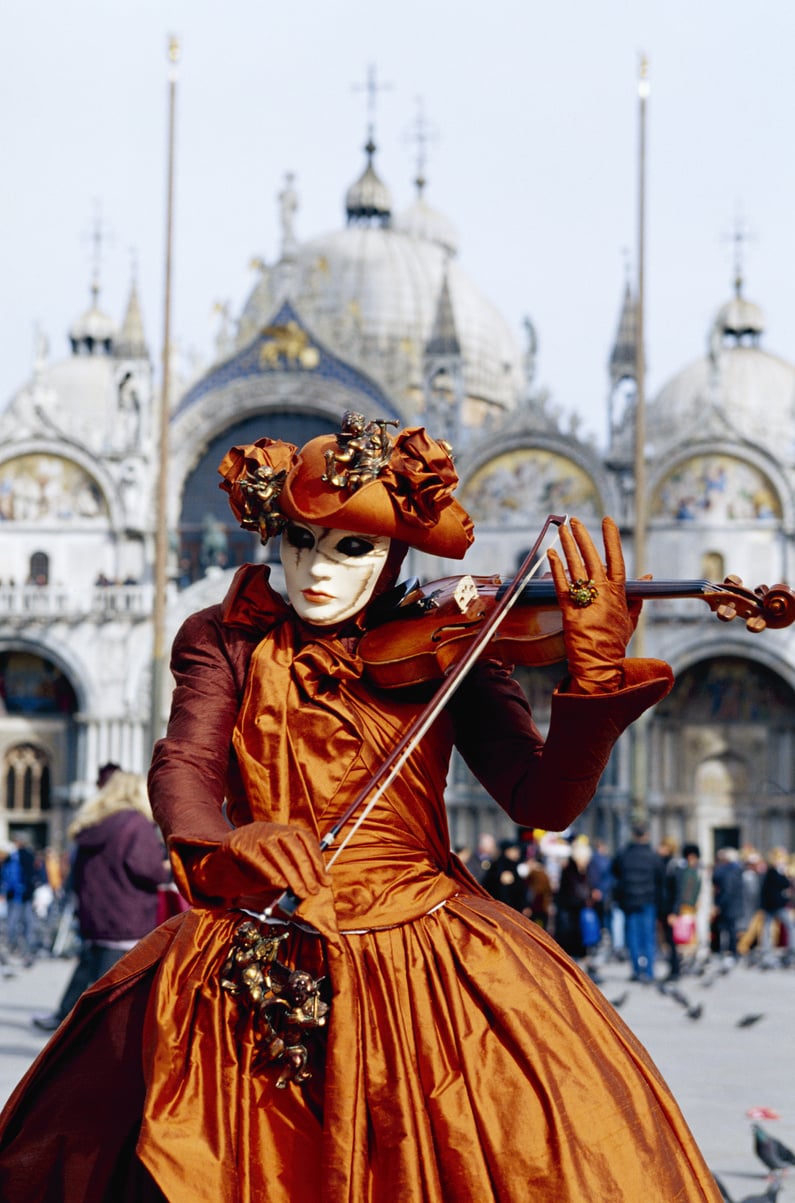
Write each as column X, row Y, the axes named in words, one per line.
column 724, row 756
column 38, row 744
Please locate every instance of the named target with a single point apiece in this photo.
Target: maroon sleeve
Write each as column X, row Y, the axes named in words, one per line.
column 547, row 783
column 190, row 766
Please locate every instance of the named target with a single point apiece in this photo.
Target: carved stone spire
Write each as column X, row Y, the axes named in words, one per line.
column 131, row 343
column 623, row 357
column 444, row 338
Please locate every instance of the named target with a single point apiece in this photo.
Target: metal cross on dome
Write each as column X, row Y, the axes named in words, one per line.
column 98, row 235
column 372, row 87
column 739, row 239
column 421, row 133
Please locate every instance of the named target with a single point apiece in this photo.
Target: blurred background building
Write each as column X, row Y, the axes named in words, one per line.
column 380, row 316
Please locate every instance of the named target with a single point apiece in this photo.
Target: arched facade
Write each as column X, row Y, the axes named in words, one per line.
column 724, row 753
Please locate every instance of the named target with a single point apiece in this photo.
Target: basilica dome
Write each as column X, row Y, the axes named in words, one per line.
column 372, row 291
column 90, row 397
column 737, row 382
column 422, row 221
column 71, row 396
column 93, row 330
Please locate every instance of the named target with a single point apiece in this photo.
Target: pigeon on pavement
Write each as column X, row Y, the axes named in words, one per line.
column 771, row 1151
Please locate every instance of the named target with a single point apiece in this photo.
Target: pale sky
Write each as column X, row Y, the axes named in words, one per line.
column 534, row 110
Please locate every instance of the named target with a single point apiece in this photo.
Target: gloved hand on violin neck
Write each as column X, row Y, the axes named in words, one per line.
column 597, row 620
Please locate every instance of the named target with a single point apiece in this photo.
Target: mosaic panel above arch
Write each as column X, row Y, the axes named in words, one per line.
column 729, row 689
column 519, row 487
column 716, row 488
column 31, row 684
column 41, row 487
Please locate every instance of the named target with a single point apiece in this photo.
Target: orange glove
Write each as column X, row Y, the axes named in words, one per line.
column 260, row 859
column 596, row 633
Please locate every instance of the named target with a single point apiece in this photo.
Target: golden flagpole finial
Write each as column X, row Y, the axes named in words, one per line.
column 173, row 58
column 643, row 77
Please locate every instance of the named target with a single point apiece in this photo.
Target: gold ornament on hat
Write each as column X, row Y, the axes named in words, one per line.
column 363, row 451
column 253, row 476
column 261, row 488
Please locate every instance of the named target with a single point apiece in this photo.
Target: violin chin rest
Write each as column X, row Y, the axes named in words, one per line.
column 394, row 602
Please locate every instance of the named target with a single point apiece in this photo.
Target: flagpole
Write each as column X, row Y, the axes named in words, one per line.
column 640, row 732
column 640, row 346
column 161, row 528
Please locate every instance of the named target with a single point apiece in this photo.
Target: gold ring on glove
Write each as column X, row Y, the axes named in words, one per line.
column 582, row 593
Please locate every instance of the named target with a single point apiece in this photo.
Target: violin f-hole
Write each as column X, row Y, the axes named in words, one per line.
column 438, row 634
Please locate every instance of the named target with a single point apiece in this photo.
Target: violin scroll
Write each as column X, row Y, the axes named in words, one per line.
column 777, row 605
column 763, row 608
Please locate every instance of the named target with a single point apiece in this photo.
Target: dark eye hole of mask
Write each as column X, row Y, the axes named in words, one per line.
column 298, row 536
column 354, row 545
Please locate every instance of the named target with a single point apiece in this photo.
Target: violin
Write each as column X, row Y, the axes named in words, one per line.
column 418, row 633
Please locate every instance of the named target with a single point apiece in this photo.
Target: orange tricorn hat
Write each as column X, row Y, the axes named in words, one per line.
column 362, row 479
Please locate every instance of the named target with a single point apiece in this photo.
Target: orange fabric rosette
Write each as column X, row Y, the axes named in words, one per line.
column 267, row 462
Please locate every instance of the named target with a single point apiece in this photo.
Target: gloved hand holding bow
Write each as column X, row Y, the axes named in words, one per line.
column 597, row 621
column 260, row 858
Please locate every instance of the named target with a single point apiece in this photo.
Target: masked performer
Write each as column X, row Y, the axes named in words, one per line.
column 405, row 1036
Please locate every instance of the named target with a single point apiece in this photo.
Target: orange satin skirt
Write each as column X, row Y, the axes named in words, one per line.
column 467, row 1059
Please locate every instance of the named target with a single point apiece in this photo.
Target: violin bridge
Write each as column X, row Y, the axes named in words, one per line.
column 465, row 592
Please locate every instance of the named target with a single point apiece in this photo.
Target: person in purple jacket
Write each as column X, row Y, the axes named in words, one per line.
column 119, row 863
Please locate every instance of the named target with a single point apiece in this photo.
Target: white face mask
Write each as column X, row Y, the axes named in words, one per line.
column 330, row 574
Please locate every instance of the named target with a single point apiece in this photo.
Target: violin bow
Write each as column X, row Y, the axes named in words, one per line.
column 381, row 780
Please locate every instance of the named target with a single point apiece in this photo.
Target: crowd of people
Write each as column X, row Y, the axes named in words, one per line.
column 661, row 908
column 32, row 895
column 97, row 899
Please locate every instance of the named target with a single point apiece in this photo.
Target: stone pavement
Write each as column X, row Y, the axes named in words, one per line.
column 24, row 993
column 715, row 1069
